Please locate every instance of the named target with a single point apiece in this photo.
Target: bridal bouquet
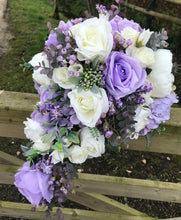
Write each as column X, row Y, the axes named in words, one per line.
column 102, row 82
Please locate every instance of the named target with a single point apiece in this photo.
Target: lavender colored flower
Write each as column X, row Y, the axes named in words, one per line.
column 118, row 24
column 52, row 40
column 33, row 184
column 160, row 112
column 123, row 75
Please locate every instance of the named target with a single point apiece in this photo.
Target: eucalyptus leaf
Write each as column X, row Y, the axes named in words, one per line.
column 75, row 80
column 95, row 89
column 48, row 138
column 73, row 137
column 46, row 124
column 148, row 139
column 95, row 63
column 32, row 152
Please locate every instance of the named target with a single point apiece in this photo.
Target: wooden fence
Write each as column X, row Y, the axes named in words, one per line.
column 154, row 13
column 90, row 190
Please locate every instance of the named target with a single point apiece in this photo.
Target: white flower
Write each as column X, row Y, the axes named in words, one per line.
column 41, row 146
column 93, row 38
column 33, row 129
column 57, row 156
column 77, row 154
column 144, row 55
column 161, row 77
column 129, row 33
column 144, row 37
column 141, row 119
column 60, row 76
column 42, row 79
column 76, row 68
column 88, row 105
column 93, row 147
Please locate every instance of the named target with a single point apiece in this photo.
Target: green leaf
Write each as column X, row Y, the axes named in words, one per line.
column 73, row 137
column 62, row 131
column 148, row 139
column 95, row 63
column 32, row 152
column 48, row 138
column 46, row 124
column 95, row 89
column 57, row 146
column 75, row 80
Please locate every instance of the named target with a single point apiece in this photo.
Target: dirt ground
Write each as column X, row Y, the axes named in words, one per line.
column 5, row 35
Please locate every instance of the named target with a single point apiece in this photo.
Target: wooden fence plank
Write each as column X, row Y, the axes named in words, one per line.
column 102, row 203
column 153, row 13
column 118, row 186
column 9, row 159
column 23, row 211
column 18, row 106
column 178, row 2
column 129, row 187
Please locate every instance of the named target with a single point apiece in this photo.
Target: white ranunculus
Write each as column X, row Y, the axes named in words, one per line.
column 60, row 76
column 93, row 147
column 144, row 37
column 144, row 55
column 141, row 119
column 41, row 79
column 161, row 77
column 93, row 38
column 41, row 146
column 57, row 156
column 88, row 105
column 77, row 154
column 33, row 129
column 129, row 33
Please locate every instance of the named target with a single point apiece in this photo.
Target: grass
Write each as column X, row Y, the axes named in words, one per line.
column 27, row 23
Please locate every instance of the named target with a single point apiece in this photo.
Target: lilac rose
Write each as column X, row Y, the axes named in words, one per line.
column 33, row 184
column 123, row 75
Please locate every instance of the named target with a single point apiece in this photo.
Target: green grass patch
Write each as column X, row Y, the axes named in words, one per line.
column 27, row 23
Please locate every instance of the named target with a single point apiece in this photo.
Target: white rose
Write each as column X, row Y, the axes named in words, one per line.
column 141, row 119
column 77, row 155
column 42, row 79
column 41, row 146
column 161, row 77
column 93, row 38
column 93, row 147
column 144, row 37
column 88, row 105
column 33, row 129
column 129, row 33
column 144, row 55
column 60, row 76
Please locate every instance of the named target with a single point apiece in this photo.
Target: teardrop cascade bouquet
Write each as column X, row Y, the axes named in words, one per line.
column 102, row 82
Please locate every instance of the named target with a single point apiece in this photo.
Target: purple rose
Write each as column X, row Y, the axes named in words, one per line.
column 160, row 112
column 123, row 75
column 33, row 184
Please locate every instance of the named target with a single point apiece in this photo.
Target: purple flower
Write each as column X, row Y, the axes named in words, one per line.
column 160, row 112
column 123, row 75
column 33, row 184
column 52, row 40
column 118, row 24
